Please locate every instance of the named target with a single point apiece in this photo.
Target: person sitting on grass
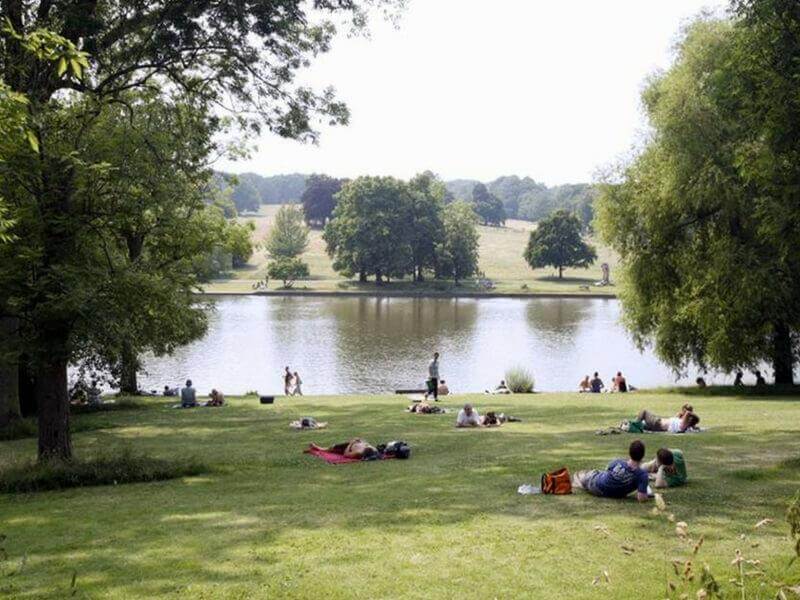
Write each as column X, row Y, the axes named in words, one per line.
column 596, row 384
column 443, row 389
column 585, row 385
column 701, row 382
column 355, row 448
column 760, row 381
column 667, row 469
column 188, row 395
column 500, row 389
column 620, row 384
column 738, row 381
column 685, row 419
column 468, row 417
column 217, row 398
column 168, row 391
column 620, row 478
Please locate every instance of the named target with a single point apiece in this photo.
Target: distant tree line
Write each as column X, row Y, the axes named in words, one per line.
column 248, row 191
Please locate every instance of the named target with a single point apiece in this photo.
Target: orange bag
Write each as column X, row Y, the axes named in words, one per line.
column 557, row 482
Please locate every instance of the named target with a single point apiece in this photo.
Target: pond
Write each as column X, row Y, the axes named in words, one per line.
column 377, row 344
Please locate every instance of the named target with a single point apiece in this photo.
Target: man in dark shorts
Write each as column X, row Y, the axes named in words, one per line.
column 620, row 478
column 433, row 378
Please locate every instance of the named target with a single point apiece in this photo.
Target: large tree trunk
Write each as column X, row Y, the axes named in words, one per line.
column 782, row 358
column 560, row 272
column 362, row 276
column 9, row 374
column 129, row 365
column 53, row 407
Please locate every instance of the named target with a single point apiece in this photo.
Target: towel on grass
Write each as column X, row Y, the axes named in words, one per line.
column 299, row 425
column 337, row 459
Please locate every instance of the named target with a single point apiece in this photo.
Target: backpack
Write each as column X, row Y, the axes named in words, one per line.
column 557, row 482
column 396, row 449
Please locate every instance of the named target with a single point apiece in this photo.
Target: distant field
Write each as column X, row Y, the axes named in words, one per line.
column 500, row 259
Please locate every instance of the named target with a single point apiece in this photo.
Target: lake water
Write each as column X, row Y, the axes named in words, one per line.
column 367, row 344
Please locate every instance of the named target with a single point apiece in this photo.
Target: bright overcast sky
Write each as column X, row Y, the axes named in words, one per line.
column 474, row 89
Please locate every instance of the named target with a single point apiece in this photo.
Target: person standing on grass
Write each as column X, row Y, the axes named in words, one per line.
column 620, row 478
column 287, row 382
column 297, row 390
column 433, row 378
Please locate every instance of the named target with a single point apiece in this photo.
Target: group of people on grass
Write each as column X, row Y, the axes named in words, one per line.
column 595, row 385
column 468, row 416
column 189, row 396
column 292, row 384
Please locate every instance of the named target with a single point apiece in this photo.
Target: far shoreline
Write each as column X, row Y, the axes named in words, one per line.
column 411, row 294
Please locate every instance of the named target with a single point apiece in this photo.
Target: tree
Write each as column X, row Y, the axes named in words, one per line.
column 705, row 217
column 488, row 207
column 557, row 242
column 427, row 229
column 239, row 243
column 457, row 255
column 319, row 198
column 288, row 236
column 245, row 197
column 240, row 55
column 370, row 230
column 287, row 270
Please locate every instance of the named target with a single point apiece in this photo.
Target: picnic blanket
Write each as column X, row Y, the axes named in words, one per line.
column 635, row 427
column 338, row 459
column 299, row 425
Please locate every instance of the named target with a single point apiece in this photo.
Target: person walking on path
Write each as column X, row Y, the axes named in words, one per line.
column 433, row 378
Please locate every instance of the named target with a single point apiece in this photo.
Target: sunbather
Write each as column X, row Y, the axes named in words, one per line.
column 425, row 408
column 217, row 398
column 500, row 389
column 684, row 420
column 355, row 448
column 585, row 385
column 468, row 417
column 620, row 478
column 667, row 469
column 308, row 423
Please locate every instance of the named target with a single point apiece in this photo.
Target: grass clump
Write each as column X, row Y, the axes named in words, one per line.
column 19, row 429
column 118, row 404
column 519, row 380
column 124, row 467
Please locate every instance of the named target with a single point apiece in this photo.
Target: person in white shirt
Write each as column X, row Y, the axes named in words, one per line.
column 468, row 417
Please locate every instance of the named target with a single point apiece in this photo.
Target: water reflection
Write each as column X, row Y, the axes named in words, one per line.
column 348, row 345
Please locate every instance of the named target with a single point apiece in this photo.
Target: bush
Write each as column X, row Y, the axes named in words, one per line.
column 519, row 380
column 287, row 270
column 125, row 467
column 19, row 429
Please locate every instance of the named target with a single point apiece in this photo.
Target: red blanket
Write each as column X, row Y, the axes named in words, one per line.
column 330, row 457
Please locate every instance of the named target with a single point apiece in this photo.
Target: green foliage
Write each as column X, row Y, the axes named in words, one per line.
column 557, row 242
column 319, row 198
column 457, row 255
column 239, row 242
column 370, row 230
column 704, row 218
column 519, row 380
column 427, row 228
column 288, row 236
column 488, row 207
column 246, row 197
column 126, row 467
column 287, row 270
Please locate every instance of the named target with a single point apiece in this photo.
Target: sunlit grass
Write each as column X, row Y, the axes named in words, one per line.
column 269, row 521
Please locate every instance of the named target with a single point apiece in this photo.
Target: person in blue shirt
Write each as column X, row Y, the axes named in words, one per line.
column 620, row 478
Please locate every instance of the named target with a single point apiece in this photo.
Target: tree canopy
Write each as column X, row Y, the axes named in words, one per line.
column 457, row 254
column 319, row 198
column 557, row 242
column 288, row 236
column 487, row 206
column 705, row 217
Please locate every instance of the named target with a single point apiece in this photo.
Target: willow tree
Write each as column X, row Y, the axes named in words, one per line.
column 240, row 55
column 706, row 218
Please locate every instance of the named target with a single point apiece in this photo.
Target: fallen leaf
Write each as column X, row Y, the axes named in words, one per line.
column 660, row 502
column 627, row 549
column 607, row 576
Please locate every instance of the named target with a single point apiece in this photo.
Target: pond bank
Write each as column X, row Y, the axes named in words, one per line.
column 412, row 294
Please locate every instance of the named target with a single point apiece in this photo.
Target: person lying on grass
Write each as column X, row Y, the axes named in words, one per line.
column 620, row 478
column 684, row 420
column 667, row 469
column 492, row 419
column 355, row 448
column 500, row 389
column 425, row 408
column 468, row 417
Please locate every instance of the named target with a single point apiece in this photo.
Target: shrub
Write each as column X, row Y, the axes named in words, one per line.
column 519, row 380
column 125, row 467
column 287, row 270
column 19, row 429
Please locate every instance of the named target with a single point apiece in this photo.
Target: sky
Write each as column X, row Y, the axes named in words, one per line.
column 474, row 89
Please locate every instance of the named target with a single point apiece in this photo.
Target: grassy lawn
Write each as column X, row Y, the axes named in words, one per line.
column 500, row 259
column 270, row 522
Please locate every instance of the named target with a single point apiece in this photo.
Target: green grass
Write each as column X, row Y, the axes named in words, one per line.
column 501, row 260
column 270, row 522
